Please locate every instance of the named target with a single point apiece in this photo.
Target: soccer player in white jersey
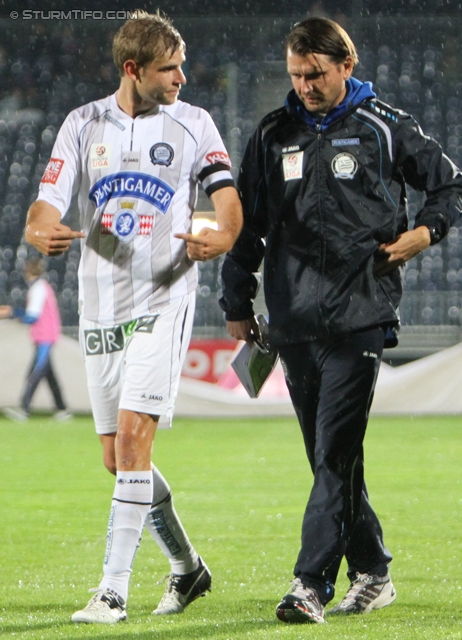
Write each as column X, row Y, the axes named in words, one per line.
column 135, row 159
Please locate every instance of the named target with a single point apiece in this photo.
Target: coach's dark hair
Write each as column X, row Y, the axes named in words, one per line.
column 320, row 35
column 143, row 38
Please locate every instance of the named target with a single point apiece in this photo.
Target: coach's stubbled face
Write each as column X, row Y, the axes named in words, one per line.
column 318, row 81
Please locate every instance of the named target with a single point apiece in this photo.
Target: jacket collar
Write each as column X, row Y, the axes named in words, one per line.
column 357, row 92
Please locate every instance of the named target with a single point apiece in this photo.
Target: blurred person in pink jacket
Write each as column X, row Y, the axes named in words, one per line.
column 42, row 314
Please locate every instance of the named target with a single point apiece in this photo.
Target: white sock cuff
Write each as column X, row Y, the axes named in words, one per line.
column 134, row 486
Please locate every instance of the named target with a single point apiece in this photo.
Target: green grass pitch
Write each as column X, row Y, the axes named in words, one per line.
column 240, row 487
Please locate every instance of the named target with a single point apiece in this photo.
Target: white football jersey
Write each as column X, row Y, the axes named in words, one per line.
column 136, row 180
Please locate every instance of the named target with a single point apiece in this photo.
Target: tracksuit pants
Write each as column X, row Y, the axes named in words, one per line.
column 331, row 384
column 41, row 369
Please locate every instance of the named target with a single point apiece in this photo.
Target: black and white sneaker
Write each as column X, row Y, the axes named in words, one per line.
column 366, row 592
column 106, row 607
column 300, row 604
column 182, row 590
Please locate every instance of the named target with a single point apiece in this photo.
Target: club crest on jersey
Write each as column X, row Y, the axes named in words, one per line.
column 125, row 223
column 161, row 153
column 344, row 166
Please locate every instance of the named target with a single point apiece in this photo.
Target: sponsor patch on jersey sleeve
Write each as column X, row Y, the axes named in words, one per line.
column 218, row 157
column 52, row 171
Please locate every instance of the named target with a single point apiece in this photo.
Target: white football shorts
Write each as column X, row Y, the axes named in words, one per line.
column 137, row 366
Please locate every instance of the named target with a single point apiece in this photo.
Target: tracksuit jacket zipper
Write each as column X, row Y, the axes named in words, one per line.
column 320, row 296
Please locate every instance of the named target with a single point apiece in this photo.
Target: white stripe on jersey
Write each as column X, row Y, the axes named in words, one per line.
column 136, row 180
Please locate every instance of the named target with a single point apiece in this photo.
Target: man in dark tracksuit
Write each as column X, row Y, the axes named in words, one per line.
column 323, row 181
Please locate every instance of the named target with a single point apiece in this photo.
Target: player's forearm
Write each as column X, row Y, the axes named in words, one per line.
column 228, row 212
column 210, row 243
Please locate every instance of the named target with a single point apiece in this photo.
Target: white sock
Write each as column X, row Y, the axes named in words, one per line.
column 130, row 505
column 165, row 527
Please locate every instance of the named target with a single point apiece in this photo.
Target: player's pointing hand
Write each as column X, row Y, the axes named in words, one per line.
column 207, row 244
column 45, row 232
column 51, row 239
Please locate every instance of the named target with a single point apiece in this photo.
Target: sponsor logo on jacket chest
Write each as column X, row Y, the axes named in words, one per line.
column 292, row 163
column 345, row 142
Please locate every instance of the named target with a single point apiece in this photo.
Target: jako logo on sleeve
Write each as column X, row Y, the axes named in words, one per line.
column 220, row 157
column 53, row 170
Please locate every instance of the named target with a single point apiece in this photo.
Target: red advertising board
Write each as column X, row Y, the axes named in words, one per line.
column 207, row 359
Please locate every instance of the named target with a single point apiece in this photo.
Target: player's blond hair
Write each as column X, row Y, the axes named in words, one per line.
column 144, row 38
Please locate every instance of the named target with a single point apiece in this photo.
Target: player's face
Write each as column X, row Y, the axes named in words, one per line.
column 319, row 82
column 159, row 82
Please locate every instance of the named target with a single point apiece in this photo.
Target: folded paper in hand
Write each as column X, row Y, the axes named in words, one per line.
column 253, row 365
